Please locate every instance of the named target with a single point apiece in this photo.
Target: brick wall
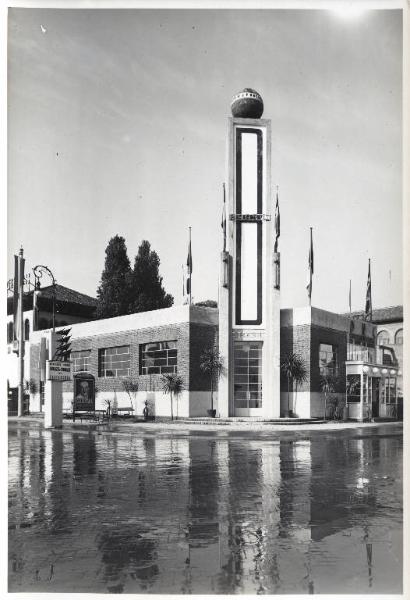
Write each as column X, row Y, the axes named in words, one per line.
column 191, row 340
column 298, row 340
column 323, row 335
column 201, row 338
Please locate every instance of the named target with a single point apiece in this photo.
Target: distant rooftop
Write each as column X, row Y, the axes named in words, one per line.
column 67, row 300
column 389, row 314
column 65, row 294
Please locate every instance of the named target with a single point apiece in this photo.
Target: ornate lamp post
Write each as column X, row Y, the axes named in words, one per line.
column 39, row 271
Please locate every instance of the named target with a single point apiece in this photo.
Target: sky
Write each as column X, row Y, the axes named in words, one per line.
column 117, row 123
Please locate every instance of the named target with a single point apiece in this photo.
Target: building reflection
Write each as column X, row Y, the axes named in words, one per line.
column 193, row 514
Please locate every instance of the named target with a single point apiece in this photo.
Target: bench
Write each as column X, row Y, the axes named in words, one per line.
column 122, row 411
column 96, row 415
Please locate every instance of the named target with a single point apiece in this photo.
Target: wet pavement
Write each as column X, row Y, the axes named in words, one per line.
column 211, row 512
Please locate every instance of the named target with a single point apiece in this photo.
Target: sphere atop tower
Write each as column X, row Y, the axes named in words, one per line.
column 247, row 104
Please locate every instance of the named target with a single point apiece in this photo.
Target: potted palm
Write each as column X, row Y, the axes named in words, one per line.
column 328, row 384
column 212, row 365
column 293, row 368
column 300, row 374
column 172, row 384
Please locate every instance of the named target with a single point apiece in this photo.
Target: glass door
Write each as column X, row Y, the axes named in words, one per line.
column 247, row 377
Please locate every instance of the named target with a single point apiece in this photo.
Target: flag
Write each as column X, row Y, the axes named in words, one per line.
column 15, row 295
column 350, row 295
column 189, row 259
column 223, row 220
column 189, row 267
column 310, row 267
column 368, row 308
column 277, row 222
column 18, row 293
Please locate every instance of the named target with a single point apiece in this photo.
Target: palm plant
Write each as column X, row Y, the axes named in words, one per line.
column 211, row 364
column 172, row 384
column 300, row 374
column 130, row 386
column 328, row 384
column 293, row 367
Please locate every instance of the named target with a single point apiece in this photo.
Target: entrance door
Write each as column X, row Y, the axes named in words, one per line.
column 375, row 396
column 247, row 378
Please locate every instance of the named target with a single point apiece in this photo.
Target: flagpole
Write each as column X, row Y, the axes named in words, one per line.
column 190, row 274
column 350, row 318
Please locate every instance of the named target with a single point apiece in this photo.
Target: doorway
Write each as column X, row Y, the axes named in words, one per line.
column 247, row 378
column 375, row 396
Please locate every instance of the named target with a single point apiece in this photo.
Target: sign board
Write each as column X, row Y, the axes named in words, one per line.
column 250, row 217
column 84, row 392
column 57, row 370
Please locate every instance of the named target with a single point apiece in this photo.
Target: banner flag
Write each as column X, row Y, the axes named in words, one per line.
column 368, row 307
column 15, row 295
column 310, row 267
column 223, row 220
column 277, row 222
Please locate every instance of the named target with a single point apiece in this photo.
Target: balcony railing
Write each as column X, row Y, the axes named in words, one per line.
column 379, row 356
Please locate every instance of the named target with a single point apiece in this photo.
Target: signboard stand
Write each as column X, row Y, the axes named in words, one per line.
column 56, row 373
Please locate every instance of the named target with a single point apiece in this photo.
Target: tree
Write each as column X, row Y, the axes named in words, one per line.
column 113, row 291
column 328, row 384
column 172, row 384
column 130, row 386
column 293, row 367
column 211, row 364
column 146, row 290
column 300, row 375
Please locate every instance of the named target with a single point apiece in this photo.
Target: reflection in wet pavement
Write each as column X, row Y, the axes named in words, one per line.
column 313, row 513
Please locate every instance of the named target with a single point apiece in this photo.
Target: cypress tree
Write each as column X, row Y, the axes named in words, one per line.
column 113, row 292
column 146, row 289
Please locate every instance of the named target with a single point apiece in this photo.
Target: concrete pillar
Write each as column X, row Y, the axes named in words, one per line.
column 53, row 404
column 53, row 391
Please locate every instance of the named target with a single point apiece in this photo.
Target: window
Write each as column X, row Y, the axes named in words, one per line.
column 10, row 332
column 114, row 362
column 399, row 337
column 328, row 359
column 81, row 360
column 26, row 329
column 353, row 388
column 158, row 357
column 383, row 338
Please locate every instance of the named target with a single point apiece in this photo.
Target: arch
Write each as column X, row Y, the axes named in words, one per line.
column 10, row 332
column 398, row 338
column 26, row 329
column 383, row 338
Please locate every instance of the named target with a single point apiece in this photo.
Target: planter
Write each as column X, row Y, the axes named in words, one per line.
column 211, row 412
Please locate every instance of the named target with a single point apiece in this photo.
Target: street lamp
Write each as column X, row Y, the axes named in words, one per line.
column 39, row 271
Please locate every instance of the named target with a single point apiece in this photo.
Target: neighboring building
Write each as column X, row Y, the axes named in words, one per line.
column 140, row 347
column 344, row 350
column 70, row 307
column 389, row 322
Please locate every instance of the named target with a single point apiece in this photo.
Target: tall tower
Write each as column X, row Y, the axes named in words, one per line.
column 249, row 297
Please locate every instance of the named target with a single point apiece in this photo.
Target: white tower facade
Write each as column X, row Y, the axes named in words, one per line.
column 249, row 298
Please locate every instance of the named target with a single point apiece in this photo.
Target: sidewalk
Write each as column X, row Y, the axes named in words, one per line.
column 204, row 425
